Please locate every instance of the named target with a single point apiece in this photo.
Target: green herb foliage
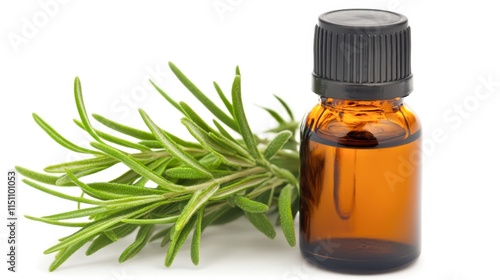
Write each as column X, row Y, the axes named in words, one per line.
column 172, row 187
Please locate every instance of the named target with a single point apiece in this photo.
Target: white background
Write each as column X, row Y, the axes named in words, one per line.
column 114, row 46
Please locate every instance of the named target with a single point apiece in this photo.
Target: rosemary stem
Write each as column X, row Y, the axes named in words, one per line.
column 228, row 178
column 272, row 183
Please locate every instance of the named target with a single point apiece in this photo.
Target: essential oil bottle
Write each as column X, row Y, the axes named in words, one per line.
column 360, row 146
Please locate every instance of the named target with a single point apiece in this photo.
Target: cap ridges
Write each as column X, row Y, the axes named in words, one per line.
column 358, row 50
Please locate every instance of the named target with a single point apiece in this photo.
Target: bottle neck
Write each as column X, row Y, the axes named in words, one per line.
column 362, row 105
column 363, row 122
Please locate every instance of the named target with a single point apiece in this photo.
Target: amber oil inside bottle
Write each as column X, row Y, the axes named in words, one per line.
column 360, row 185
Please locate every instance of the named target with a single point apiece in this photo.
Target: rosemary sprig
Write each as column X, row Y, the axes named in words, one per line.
column 173, row 186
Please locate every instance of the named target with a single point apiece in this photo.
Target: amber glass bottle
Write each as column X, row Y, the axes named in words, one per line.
column 360, row 147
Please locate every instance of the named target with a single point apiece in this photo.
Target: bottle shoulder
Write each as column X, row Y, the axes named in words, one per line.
column 361, row 124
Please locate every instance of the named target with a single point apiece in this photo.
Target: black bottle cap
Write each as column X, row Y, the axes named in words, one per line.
column 362, row 54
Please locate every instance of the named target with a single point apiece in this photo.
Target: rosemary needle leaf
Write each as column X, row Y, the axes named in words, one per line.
column 220, row 147
column 59, row 194
column 195, row 242
column 166, row 237
column 115, row 140
column 233, row 145
column 90, row 191
column 237, row 161
column 198, row 199
column 176, row 244
column 77, row 213
column 129, row 177
column 181, row 141
column 203, row 98
column 292, row 126
column 210, row 161
column 223, row 131
column 66, row 181
column 202, row 136
column 275, row 115
column 97, row 227
column 241, row 119
column 82, row 111
column 79, row 165
column 277, row 143
column 40, row 177
column 65, row 253
column 137, row 166
column 159, row 234
column 285, row 174
column 249, row 205
column 127, row 130
column 266, row 197
column 285, row 213
column 117, row 205
column 295, row 203
column 262, row 223
column 182, row 172
column 140, row 241
column 111, row 235
column 172, row 147
column 123, row 190
column 193, row 116
column 57, row 222
column 240, row 185
column 287, row 108
column 222, row 216
column 167, row 97
column 103, row 239
column 133, row 200
column 165, row 220
column 60, row 139
column 223, row 97
column 158, row 167
column 155, row 144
